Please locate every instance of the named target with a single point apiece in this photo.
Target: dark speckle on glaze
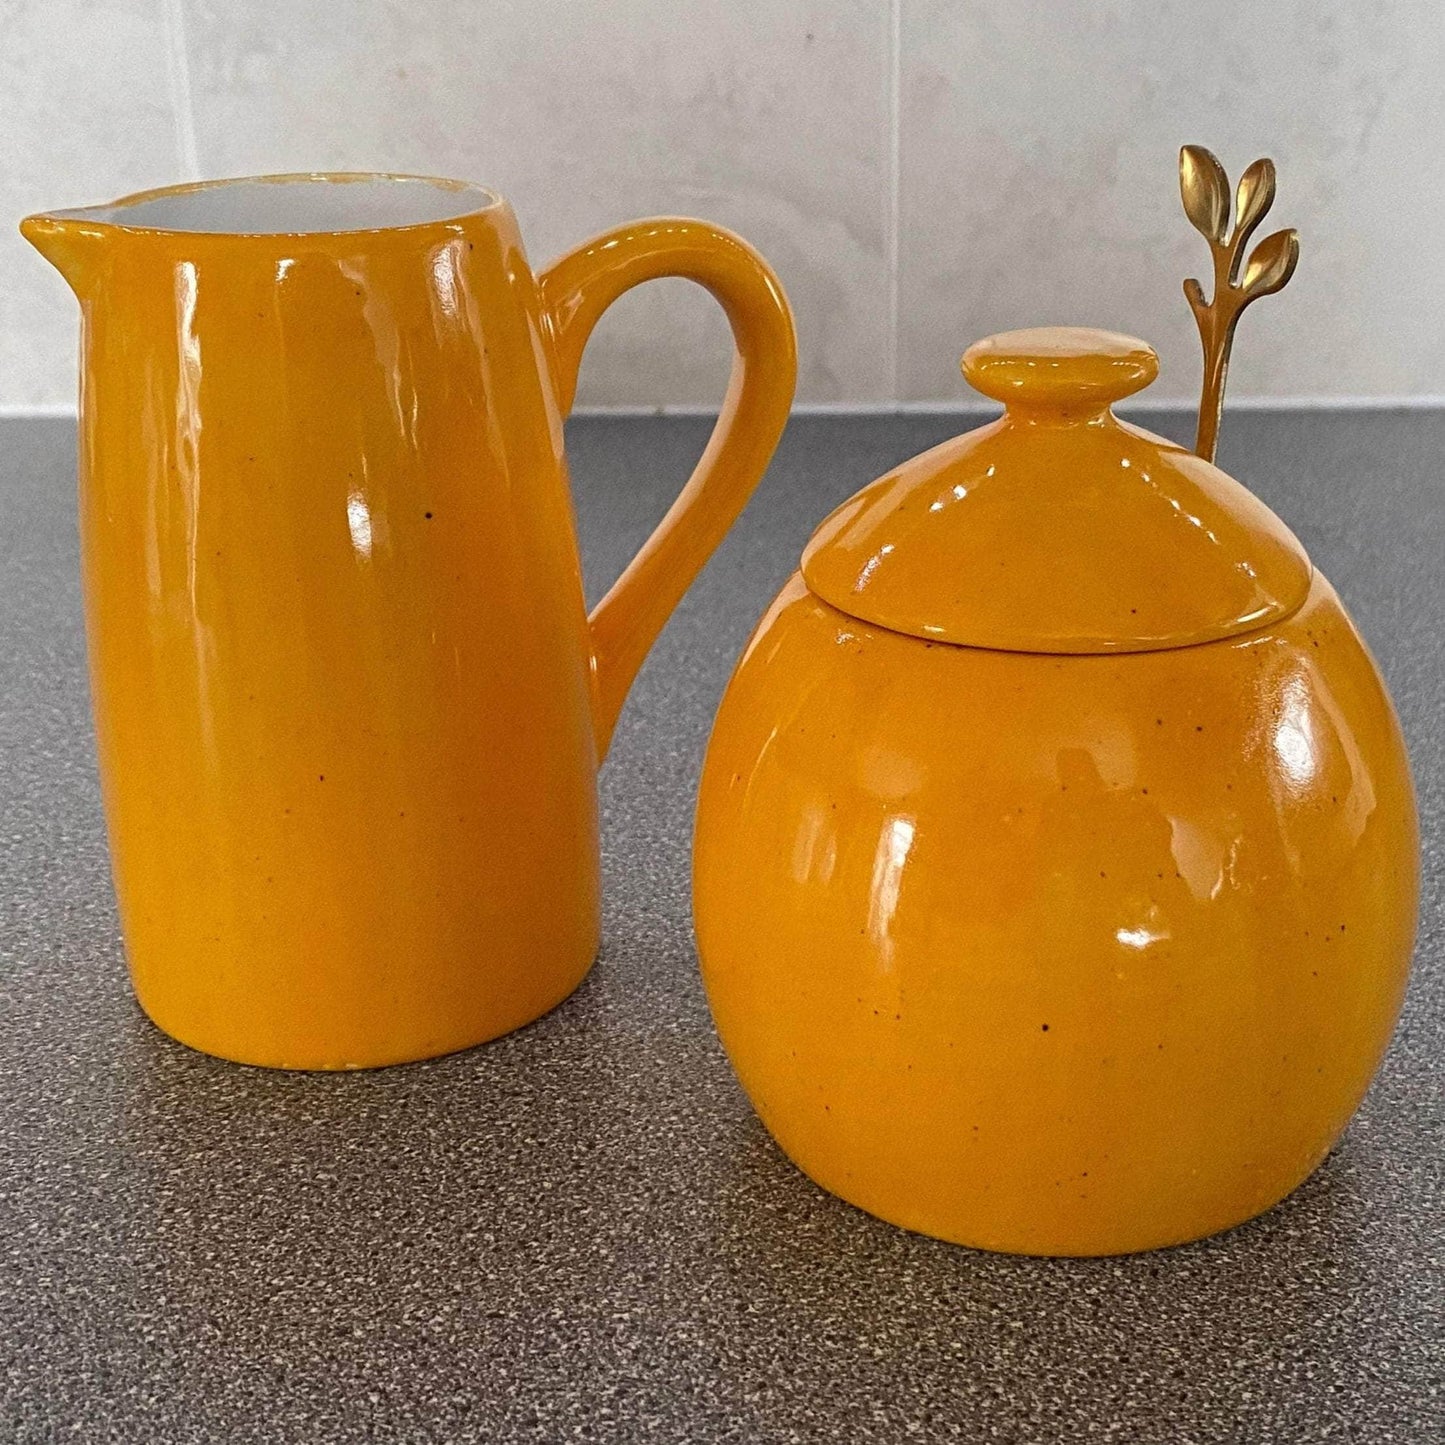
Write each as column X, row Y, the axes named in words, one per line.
column 581, row 1231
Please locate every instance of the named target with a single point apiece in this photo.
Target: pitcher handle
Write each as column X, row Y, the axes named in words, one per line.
column 576, row 290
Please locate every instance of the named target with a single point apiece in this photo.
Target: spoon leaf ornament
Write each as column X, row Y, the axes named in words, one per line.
column 1272, row 264
column 1252, row 200
column 1204, row 188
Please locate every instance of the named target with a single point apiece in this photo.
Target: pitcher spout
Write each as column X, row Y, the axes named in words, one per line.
column 71, row 241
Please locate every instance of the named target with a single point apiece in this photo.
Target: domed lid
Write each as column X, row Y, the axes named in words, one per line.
column 1058, row 528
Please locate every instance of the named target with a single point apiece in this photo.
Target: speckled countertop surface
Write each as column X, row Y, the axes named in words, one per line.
column 581, row 1232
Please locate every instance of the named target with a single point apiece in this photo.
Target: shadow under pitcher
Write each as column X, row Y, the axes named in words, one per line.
column 349, row 704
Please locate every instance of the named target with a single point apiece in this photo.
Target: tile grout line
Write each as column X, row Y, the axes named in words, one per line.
column 179, row 68
column 895, row 123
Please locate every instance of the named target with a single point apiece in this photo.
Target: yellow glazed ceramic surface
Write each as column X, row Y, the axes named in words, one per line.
column 1078, row 941
column 349, row 704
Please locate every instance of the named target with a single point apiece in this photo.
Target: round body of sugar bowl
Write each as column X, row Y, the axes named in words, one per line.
column 1056, row 861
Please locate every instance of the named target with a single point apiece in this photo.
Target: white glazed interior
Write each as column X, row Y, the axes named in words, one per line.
column 295, row 205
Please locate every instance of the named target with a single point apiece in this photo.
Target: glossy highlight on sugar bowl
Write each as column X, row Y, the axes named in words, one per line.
column 348, row 700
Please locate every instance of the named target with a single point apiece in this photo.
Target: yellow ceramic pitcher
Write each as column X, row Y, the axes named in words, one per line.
column 349, row 703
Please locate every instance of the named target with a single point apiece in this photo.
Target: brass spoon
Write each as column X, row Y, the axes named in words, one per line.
column 1205, row 189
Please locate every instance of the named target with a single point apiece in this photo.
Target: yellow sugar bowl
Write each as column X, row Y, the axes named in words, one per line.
column 1056, row 856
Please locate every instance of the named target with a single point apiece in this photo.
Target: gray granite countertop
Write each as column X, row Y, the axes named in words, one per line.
column 581, row 1232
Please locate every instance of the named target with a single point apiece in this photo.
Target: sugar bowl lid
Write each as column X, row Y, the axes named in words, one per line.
column 1058, row 528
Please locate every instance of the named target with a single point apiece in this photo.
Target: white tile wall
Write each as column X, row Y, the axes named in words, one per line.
column 919, row 171
column 1038, row 180
column 87, row 110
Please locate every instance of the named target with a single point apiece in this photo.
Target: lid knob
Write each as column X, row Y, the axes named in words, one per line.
column 1063, row 368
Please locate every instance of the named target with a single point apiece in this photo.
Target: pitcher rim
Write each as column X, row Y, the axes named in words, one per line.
column 483, row 200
